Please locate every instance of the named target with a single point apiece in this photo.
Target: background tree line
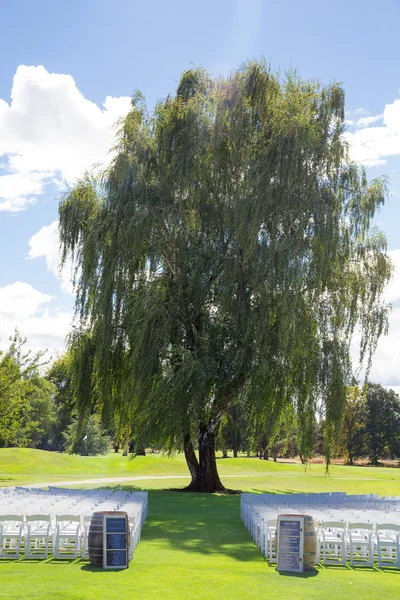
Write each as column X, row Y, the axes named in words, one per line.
column 38, row 410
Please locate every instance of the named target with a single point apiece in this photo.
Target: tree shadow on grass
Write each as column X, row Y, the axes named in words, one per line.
column 208, row 524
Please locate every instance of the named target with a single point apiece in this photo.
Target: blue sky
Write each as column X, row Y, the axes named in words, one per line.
column 79, row 53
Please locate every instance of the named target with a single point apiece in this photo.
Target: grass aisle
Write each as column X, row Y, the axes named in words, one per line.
column 193, row 547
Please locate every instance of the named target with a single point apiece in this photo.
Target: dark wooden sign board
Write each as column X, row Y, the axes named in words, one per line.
column 115, row 541
column 290, row 543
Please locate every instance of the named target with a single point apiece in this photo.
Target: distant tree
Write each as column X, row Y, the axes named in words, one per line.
column 26, row 398
column 319, row 446
column 60, row 374
column 382, row 424
column 352, row 443
column 40, row 417
column 87, row 439
column 234, row 431
column 228, row 252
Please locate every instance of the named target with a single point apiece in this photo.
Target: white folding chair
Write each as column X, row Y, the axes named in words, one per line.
column 85, row 536
column 271, row 540
column 67, row 536
column 333, row 542
column 388, row 545
column 360, row 544
column 134, row 533
column 11, row 535
column 37, row 539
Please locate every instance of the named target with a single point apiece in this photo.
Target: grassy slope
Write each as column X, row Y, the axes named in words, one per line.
column 194, row 546
column 24, row 465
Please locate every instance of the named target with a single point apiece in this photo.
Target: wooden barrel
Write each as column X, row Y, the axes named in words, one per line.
column 310, row 541
column 95, row 539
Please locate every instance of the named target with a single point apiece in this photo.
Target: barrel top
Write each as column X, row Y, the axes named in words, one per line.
column 296, row 515
column 111, row 512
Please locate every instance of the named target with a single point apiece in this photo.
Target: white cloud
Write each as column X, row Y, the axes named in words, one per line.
column 367, row 121
column 46, row 243
column 28, row 309
column 21, row 298
column 372, row 145
column 51, row 132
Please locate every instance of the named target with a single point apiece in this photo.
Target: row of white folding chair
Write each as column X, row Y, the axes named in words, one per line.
column 333, row 499
column 358, row 541
column 70, row 535
column 36, row 533
column 361, row 543
column 337, row 542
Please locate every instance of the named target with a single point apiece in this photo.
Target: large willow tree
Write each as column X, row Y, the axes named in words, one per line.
column 226, row 256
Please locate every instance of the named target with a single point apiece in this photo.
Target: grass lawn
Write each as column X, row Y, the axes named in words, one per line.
column 193, row 546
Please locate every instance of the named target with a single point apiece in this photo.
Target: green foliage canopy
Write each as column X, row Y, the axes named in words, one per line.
column 226, row 255
column 27, row 412
column 87, row 439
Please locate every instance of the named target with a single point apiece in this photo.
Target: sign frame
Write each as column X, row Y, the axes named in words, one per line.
column 106, row 549
column 297, row 555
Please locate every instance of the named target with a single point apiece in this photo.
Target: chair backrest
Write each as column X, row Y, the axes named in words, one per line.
column 388, row 527
column 333, row 525
column 68, row 519
column 11, row 518
column 42, row 518
column 361, row 526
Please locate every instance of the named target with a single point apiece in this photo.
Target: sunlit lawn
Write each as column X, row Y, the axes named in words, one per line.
column 193, row 546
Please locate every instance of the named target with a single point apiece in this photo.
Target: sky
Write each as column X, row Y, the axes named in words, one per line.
column 67, row 73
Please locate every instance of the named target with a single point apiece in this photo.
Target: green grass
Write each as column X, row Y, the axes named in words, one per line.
column 194, row 546
column 24, row 465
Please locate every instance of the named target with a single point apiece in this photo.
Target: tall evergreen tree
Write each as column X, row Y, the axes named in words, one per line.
column 226, row 253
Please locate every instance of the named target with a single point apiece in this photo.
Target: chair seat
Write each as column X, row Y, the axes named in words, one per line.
column 332, row 538
column 387, row 541
column 359, row 539
column 39, row 529
column 70, row 530
column 11, row 533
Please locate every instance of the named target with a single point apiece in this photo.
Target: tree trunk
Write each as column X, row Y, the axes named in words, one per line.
column 138, row 449
column 266, row 454
column 374, row 458
column 204, row 472
column 235, row 453
column 224, row 453
column 351, row 462
column 191, row 458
